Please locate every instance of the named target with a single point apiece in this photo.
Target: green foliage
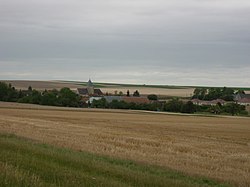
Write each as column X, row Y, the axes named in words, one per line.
column 244, row 113
column 128, row 94
column 50, row 98
column 229, row 108
column 174, row 105
column 153, row 97
column 115, row 104
column 214, row 93
column 188, row 107
column 68, row 98
column 26, row 163
column 233, row 108
column 215, row 109
column 136, row 94
column 8, row 93
column 102, row 103
column 33, row 97
column 118, row 105
column 64, row 97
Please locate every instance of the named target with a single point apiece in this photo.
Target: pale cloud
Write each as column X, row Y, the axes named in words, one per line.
column 178, row 42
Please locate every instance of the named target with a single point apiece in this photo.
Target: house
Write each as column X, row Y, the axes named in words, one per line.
column 109, row 99
column 89, row 90
column 211, row 103
column 216, row 101
column 196, row 101
column 244, row 101
column 137, row 100
column 240, row 96
column 91, row 99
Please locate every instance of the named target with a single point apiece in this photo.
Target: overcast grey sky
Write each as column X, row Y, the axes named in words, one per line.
column 178, row 42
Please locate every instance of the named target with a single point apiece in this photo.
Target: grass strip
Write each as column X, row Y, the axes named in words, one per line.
column 24, row 162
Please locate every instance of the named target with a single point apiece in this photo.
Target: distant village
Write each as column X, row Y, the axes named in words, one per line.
column 90, row 93
column 204, row 100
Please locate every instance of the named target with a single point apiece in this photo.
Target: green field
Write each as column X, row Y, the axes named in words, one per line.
column 24, row 162
column 104, row 85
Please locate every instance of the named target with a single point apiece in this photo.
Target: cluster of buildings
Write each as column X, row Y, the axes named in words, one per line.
column 211, row 103
column 240, row 98
column 90, row 93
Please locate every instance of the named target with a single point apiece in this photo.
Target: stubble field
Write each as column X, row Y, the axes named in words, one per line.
column 214, row 147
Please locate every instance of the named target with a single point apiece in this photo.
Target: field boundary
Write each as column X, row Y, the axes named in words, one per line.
column 13, row 105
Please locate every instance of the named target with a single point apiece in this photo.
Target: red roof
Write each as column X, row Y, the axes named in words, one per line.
column 137, row 100
column 244, row 100
column 213, row 102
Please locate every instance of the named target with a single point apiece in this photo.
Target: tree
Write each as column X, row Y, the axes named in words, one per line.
column 200, row 93
column 174, row 105
column 68, row 98
column 8, row 93
column 115, row 104
column 232, row 108
column 240, row 92
column 102, row 103
column 214, row 93
column 50, row 99
column 128, row 94
column 153, row 97
column 215, row 109
column 3, row 91
column 188, row 107
column 136, row 94
column 30, row 88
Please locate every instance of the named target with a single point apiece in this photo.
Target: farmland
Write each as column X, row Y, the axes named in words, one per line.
column 213, row 147
column 106, row 87
column 160, row 90
column 22, row 163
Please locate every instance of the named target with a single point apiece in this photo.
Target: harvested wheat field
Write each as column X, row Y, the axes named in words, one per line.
column 184, row 92
column 215, row 147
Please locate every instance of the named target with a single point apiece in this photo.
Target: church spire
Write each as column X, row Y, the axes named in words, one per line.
column 89, row 84
column 90, row 87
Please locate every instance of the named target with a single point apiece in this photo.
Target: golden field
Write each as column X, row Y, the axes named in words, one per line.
column 215, row 147
column 185, row 92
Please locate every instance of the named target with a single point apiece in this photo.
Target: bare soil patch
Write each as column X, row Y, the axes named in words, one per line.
column 215, row 147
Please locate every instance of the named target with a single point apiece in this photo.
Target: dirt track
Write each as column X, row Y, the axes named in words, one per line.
column 214, row 147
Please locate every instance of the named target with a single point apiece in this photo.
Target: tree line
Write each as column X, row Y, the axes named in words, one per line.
column 67, row 98
column 63, row 97
column 209, row 94
column 174, row 105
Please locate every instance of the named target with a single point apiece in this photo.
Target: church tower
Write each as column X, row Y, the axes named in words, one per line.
column 90, row 87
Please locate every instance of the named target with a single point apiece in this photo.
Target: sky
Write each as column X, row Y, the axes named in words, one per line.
column 170, row 42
